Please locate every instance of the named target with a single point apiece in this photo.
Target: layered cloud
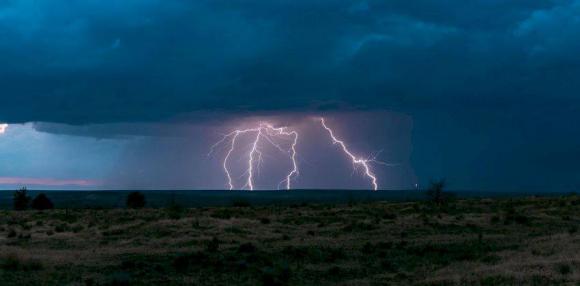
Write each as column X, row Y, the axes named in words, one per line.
column 80, row 62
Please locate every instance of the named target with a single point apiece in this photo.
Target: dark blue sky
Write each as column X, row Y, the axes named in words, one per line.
column 490, row 88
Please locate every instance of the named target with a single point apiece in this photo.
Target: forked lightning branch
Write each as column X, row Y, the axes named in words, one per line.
column 266, row 133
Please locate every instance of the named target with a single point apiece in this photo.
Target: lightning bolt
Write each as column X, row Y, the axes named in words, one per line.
column 250, row 182
column 294, row 135
column 269, row 133
column 355, row 161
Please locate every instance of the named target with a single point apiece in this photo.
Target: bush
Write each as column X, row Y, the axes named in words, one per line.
column 11, row 233
column 120, row 279
column 247, row 248
column 61, row 227
column 222, row 214
column 175, row 211
column 10, row 262
column 136, row 200
column 42, row 202
column 435, row 191
column 14, row 263
column 277, row 275
column 184, row 262
column 436, row 194
column 564, row 269
column 213, row 245
column 241, row 203
column 21, row 199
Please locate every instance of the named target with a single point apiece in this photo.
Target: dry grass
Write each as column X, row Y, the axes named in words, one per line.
column 533, row 241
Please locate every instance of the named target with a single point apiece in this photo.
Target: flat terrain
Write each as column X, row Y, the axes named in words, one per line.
column 524, row 241
column 217, row 198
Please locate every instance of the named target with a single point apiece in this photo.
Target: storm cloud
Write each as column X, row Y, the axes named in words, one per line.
column 491, row 86
column 82, row 62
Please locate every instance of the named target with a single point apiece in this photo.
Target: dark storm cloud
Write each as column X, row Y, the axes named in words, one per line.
column 83, row 62
column 491, row 86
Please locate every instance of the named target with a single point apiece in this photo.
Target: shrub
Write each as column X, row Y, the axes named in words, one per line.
column 241, row 203
column 213, row 245
column 10, row 262
column 120, row 279
column 277, row 275
column 389, row 215
column 77, row 228
column 42, row 202
column 564, row 269
column 11, row 233
column 14, row 263
column 222, row 214
column 435, row 192
column 184, row 262
column 61, row 227
column 135, row 200
column 367, row 248
column 359, row 227
column 175, row 211
column 247, row 248
column 518, row 218
column 522, row 219
column 21, row 199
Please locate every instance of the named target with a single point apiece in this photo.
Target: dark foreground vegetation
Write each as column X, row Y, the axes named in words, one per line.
column 527, row 241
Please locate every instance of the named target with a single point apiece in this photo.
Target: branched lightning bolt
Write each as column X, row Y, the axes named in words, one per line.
column 294, row 134
column 355, row 161
column 250, row 182
column 267, row 132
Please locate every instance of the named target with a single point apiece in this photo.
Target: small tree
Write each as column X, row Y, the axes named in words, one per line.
column 42, row 202
column 21, row 199
column 435, row 192
column 135, row 200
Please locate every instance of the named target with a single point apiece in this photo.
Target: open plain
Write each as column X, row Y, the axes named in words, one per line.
column 523, row 241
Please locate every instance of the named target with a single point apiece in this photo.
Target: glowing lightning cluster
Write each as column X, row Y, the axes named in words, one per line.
column 264, row 131
column 270, row 134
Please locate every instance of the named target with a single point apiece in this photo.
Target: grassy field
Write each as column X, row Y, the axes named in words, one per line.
column 527, row 241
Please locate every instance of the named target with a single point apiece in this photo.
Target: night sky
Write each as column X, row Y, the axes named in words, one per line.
column 132, row 94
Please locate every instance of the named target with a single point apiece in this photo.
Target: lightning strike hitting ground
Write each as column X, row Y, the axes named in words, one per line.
column 355, row 161
column 266, row 132
column 269, row 133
